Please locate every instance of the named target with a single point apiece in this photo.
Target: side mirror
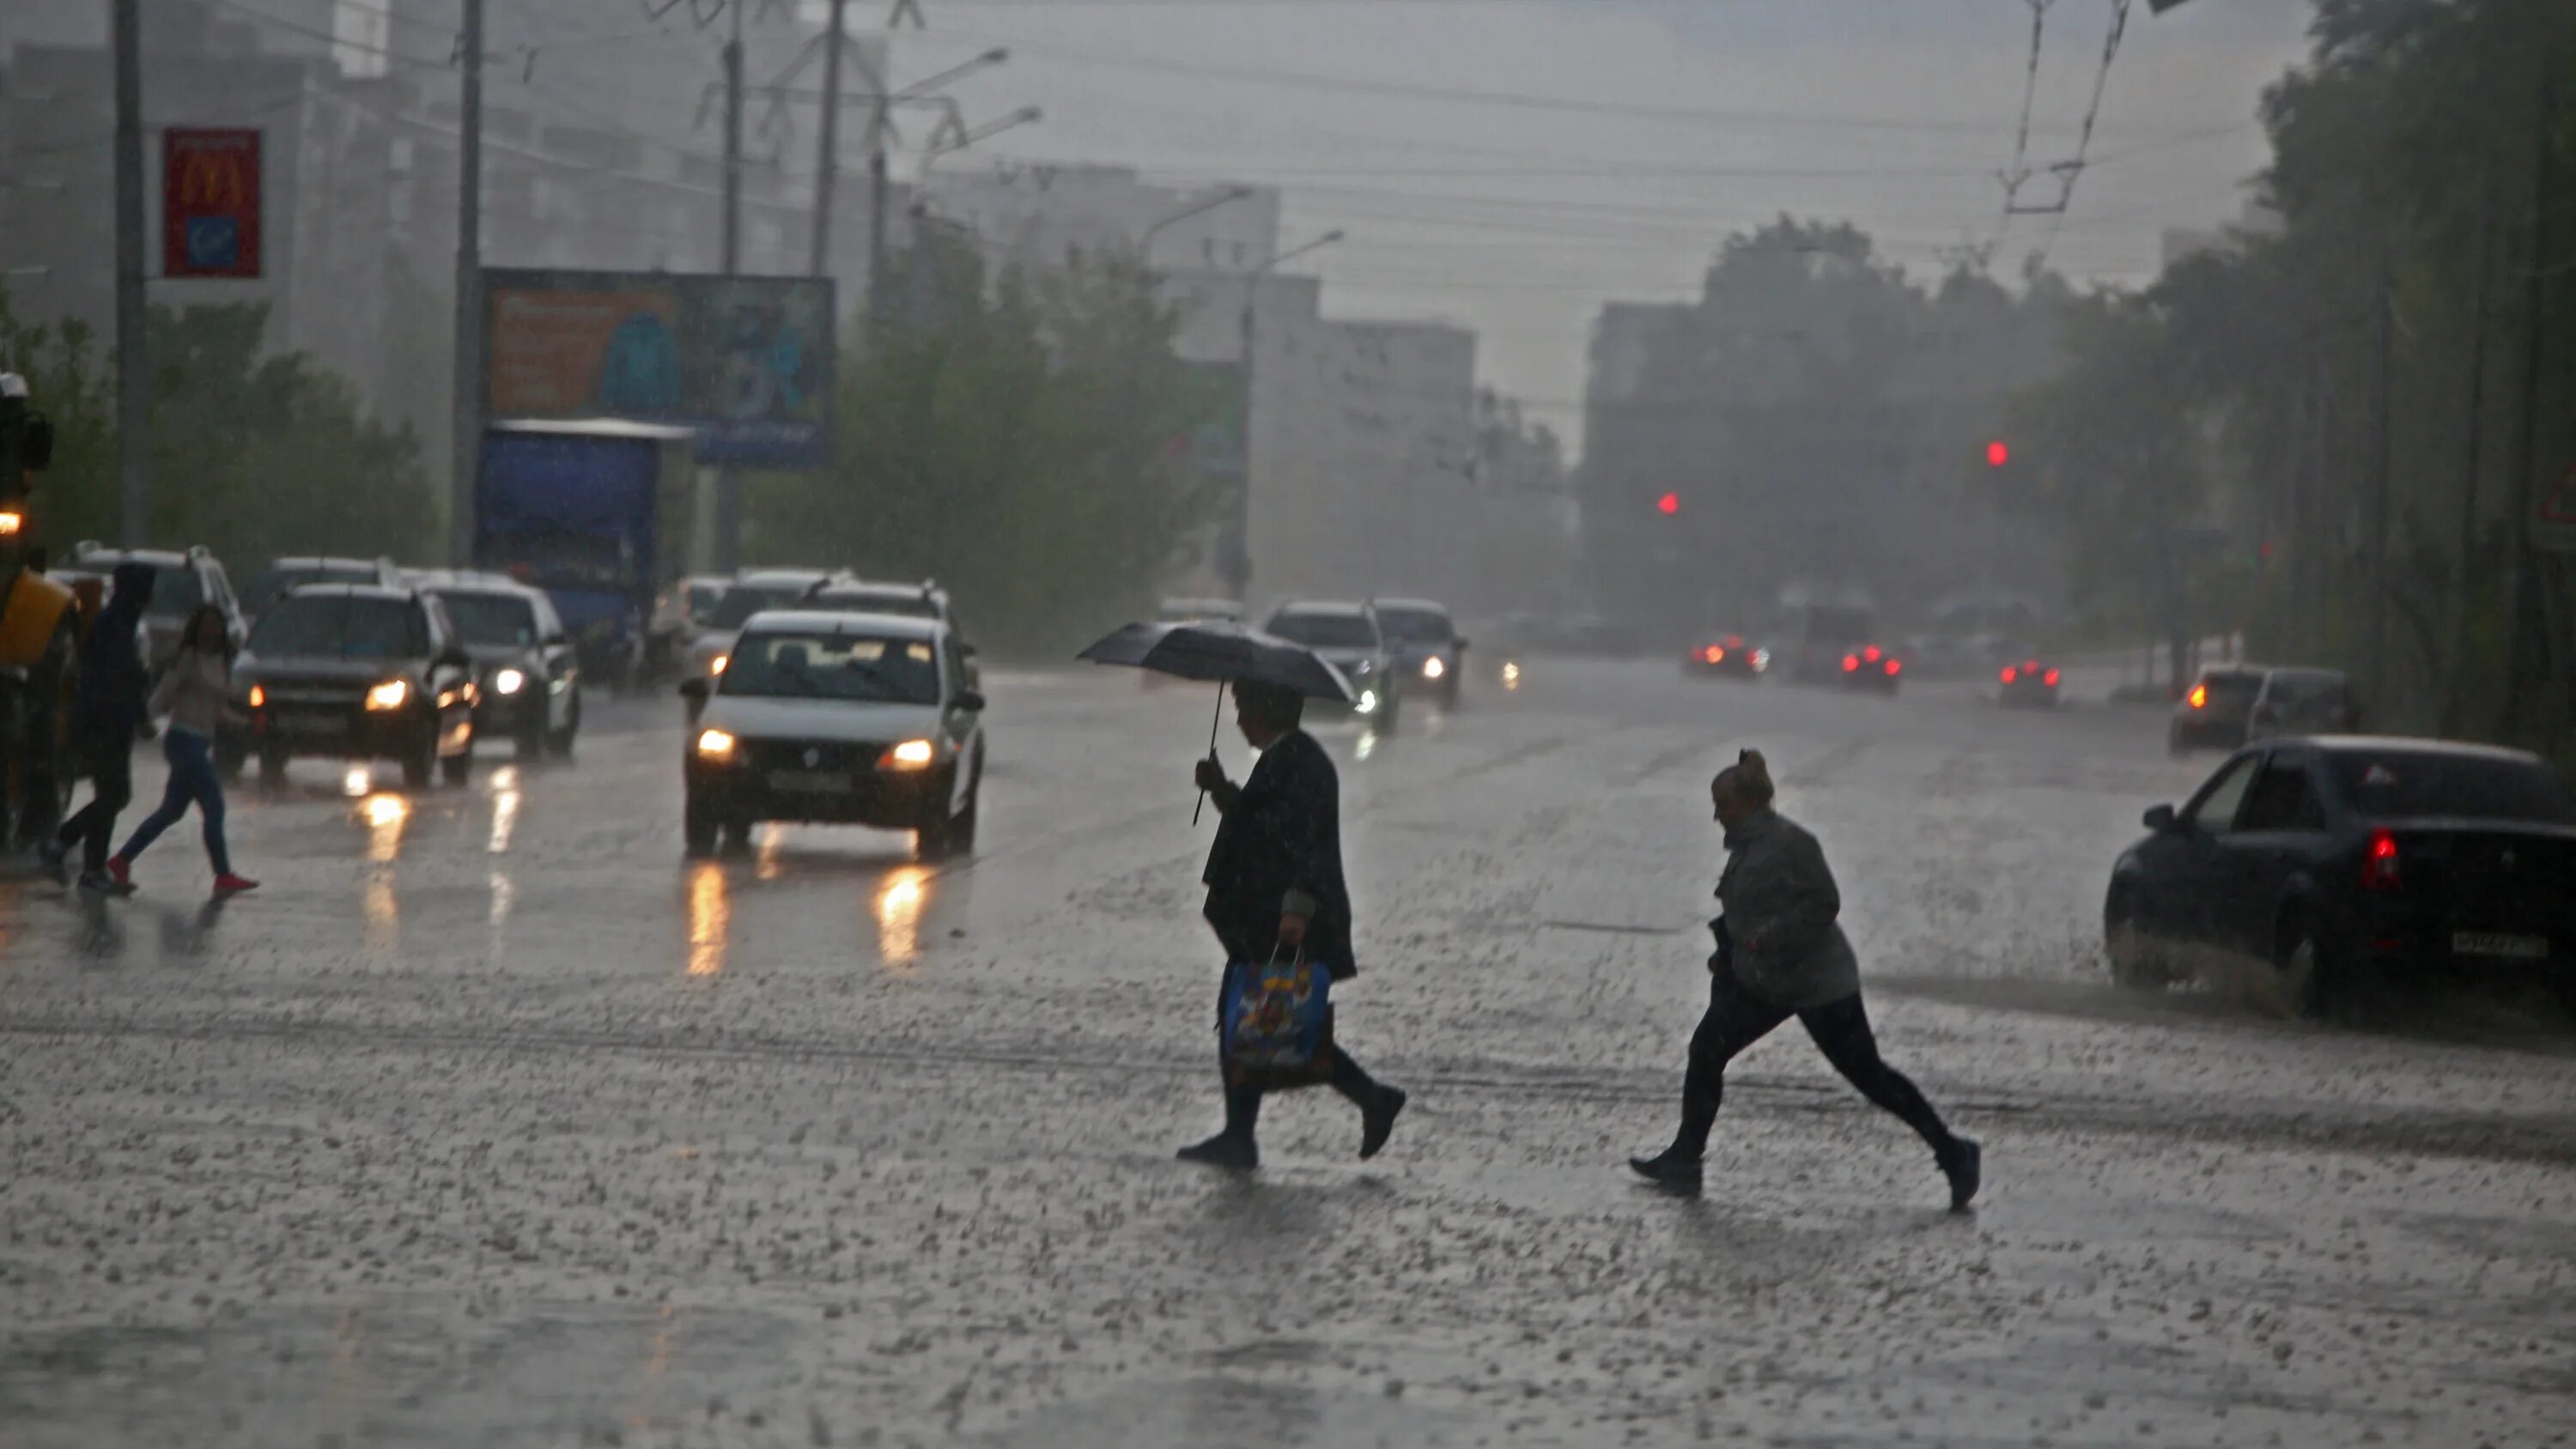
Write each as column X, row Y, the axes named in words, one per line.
column 1461, row 643
column 694, row 690
column 555, row 640
column 453, row 658
column 2160, row 818
column 971, row 700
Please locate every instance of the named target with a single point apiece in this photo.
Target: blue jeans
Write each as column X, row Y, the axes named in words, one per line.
column 192, row 781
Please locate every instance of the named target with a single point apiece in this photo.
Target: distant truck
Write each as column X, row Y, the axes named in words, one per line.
column 602, row 515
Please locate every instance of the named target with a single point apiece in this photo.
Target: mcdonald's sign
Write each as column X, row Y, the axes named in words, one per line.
column 209, row 202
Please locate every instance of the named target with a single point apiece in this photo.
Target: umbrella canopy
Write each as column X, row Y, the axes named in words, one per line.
column 1224, row 652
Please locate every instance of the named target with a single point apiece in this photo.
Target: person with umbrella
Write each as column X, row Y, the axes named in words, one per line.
column 1274, row 883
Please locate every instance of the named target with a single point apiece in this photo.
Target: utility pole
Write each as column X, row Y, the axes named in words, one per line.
column 2379, row 470
column 468, row 400
column 725, row 549
column 133, row 362
column 833, row 40
column 2526, row 630
column 879, row 116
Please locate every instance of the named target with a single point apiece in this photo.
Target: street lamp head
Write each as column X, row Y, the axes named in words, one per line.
column 996, row 55
column 1331, row 236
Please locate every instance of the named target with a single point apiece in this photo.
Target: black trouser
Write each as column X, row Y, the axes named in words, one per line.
column 1243, row 1104
column 1737, row 1019
column 111, row 785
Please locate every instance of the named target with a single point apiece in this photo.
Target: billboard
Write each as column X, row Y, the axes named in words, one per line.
column 209, row 202
column 745, row 362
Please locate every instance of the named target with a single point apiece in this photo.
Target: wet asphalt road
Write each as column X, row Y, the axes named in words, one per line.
column 489, row 1121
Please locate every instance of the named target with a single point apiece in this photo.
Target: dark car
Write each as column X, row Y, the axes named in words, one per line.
column 356, row 672
column 2216, row 711
column 1872, row 667
column 2303, row 702
column 2338, row 862
column 1727, row 656
column 526, row 671
column 1427, row 647
column 2027, row 685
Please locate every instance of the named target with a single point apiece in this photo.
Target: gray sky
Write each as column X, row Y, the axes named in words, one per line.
column 1511, row 164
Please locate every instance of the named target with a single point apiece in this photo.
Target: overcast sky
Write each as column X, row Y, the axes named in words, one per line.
column 1511, row 164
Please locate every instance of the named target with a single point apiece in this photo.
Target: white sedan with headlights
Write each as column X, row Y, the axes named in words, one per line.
column 847, row 719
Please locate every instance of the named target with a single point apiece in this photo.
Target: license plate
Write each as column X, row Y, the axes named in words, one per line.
column 309, row 726
column 2498, row 943
column 811, row 782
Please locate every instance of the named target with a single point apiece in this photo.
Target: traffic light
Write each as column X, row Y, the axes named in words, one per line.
column 1669, row 505
column 1997, row 454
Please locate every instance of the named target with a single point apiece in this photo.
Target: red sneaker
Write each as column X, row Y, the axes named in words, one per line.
column 229, row 884
column 119, row 872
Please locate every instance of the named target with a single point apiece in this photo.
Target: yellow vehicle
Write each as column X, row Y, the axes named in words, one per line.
column 40, row 624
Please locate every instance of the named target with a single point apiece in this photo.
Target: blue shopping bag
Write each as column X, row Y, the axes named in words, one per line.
column 1278, row 1018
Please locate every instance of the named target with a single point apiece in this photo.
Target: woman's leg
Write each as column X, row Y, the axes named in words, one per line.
column 1841, row 1030
column 174, row 803
column 1736, row 1019
column 194, row 756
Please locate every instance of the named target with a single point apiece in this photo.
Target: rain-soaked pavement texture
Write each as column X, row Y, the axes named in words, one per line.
column 490, row 1122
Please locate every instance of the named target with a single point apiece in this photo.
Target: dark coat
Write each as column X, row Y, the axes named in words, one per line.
column 1280, row 845
column 115, row 690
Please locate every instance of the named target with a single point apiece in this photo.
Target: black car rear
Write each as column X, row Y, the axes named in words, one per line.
column 2341, row 863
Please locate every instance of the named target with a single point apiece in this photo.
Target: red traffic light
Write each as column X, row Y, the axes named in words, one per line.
column 1669, row 504
column 1997, row 454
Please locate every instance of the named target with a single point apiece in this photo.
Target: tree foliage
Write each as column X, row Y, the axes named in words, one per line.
column 1018, row 438
column 252, row 456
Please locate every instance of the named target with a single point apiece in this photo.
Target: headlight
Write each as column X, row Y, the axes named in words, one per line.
column 910, row 755
column 509, row 681
column 1433, row 668
column 1368, row 701
column 389, row 695
column 715, row 745
column 258, row 697
column 717, row 665
column 1511, row 676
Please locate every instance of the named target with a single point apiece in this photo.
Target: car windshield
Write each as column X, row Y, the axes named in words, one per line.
column 902, row 603
column 744, row 600
column 860, row 668
column 1326, row 631
column 2304, row 691
column 272, row 584
column 338, row 624
column 2399, row 784
column 1416, row 626
column 492, row 618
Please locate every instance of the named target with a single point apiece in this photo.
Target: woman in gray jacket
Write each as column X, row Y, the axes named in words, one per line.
column 197, row 695
column 1780, row 953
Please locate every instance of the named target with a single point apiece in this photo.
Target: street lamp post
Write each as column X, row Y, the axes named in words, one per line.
column 1234, row 552
column 1145, row 248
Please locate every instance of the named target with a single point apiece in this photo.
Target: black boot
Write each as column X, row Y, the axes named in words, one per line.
column 1669, row 1168
column 1377, row 1120
column 1964, row 1164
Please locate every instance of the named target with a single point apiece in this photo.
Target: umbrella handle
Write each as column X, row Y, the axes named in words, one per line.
column 1214, row 721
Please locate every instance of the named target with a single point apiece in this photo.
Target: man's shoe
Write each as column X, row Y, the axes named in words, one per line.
column 1668, row 1169
column 120, row 872
column 51, row 854
column 1964, row 1165
column 1234, row 1153
column 100, row 883
column 229, row 885
column 1377, row 1122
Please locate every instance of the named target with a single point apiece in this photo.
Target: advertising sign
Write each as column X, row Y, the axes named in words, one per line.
column 746, row 362
column 209, row 202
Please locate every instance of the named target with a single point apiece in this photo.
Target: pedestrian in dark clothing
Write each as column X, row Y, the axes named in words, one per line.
column 109, row 709
column 1781, row 953
column 1274, row 880
column 197, row 695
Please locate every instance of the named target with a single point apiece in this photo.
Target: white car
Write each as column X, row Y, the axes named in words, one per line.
column 1347, row 636
column 746, row 594
column 850, row 719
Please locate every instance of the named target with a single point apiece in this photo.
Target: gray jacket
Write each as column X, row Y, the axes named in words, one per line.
column 1780, row 904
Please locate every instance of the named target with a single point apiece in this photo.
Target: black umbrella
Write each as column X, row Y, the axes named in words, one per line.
column 1224, row 653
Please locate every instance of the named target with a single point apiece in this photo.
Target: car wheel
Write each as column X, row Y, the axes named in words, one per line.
column 458, row 768
column 272, row 768
column 420, row 762
column 2137, row 961
column 737, row 835
column 230, row 755
column 530, row 743
column 698, row 827
column 561, row 740
column 2177, row 743
column 961, row 830
column 2314, row 982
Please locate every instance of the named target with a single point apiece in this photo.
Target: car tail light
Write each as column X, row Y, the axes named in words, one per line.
column 1714, row 654
column 2379, row 867
column 1895, row 667
column 2049, row 679
column 2199, row 696
column 2010, row 674
column 1851, row 663
column 1870, row 654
